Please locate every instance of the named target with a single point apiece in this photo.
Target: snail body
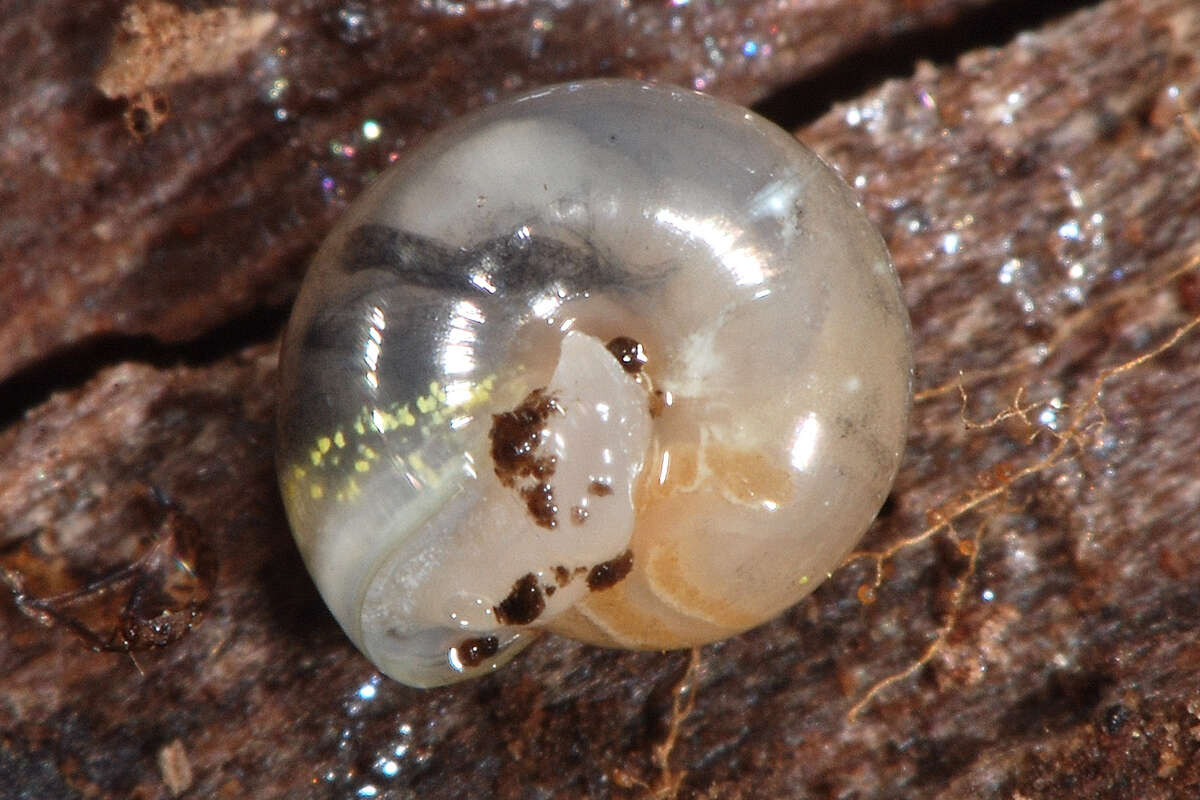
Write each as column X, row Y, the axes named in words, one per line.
column 621, row 362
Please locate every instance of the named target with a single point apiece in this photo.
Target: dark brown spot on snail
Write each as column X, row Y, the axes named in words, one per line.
column 524, row 603
column 629, row 352
column 539, row 499
column 473, row 652
column 516, row 438
column 611, row 572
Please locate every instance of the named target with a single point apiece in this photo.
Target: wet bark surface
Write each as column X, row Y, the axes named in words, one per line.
column 1020, row 620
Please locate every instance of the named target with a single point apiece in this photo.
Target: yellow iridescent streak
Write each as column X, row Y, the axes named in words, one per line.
column 319, row 474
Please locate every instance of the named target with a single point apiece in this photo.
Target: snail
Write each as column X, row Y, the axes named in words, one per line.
column 618, row 361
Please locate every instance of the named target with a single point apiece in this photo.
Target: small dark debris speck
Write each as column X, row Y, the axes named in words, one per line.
column 611, row 572
column 1115, row 717
column 579, row 515
column 599, row 489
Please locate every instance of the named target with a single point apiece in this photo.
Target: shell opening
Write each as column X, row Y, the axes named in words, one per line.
column 550, row 522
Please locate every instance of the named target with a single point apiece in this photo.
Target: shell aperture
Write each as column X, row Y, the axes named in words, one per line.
column 622, row 362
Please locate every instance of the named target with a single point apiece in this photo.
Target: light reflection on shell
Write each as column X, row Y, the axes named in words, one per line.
column 622, row 362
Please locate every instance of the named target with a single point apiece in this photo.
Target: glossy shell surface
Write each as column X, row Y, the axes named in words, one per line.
column 623, row 362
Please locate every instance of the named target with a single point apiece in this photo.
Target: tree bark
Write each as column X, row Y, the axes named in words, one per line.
column 1019, row 621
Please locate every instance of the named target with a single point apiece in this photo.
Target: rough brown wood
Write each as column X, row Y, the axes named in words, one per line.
column 213, row 214
column 1042, row 202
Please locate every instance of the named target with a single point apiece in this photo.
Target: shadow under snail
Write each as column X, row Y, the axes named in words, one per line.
column 622, row 362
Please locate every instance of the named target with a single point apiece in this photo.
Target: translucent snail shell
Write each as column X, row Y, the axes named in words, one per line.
column 622, row 362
